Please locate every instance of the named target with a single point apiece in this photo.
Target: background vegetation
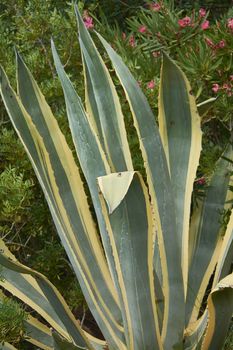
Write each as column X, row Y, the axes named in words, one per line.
column 139, row 32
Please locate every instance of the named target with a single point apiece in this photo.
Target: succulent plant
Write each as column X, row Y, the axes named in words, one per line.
column 144, row 267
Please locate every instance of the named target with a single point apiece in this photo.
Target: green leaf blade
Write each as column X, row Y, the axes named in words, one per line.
column 220, row 309
column 180, row 130
column 91, row 157
column 104, row 101
column 160, row 189
column 54, row 297
column 207, row 241
column 130, row 226
column 53, row 160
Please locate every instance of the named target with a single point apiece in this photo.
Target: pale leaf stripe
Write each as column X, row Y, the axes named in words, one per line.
column 104, row 102
column 89, row 151
column 162, row 196
column 220, row 309
column 54, row 297
column 130, row 226
column 180, row 131
column 43, row 162
column 207, row 237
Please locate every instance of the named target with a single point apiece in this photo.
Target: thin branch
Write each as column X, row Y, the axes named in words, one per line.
column 47, row 57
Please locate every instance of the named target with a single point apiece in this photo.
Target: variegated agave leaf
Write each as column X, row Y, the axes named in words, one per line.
column 144, row 266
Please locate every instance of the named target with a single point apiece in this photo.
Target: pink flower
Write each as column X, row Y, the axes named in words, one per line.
column 201, row 181
column 205, row 25
column 230, row 23
column 231, row 77
column 132, row 42
column 228, row 89
column 202, row 12
column 184, row 22
column 156, row 53
column 151, row 85
column 142, row 29
column 226, row 86
column 215, row 88
column 209, row 42
column 221, row 44
column 155, row 6
column 88, row 22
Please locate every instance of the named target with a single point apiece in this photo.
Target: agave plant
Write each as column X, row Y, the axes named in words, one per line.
column 145, row 266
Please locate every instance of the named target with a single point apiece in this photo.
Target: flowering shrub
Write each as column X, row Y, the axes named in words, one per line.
column 202, row 47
